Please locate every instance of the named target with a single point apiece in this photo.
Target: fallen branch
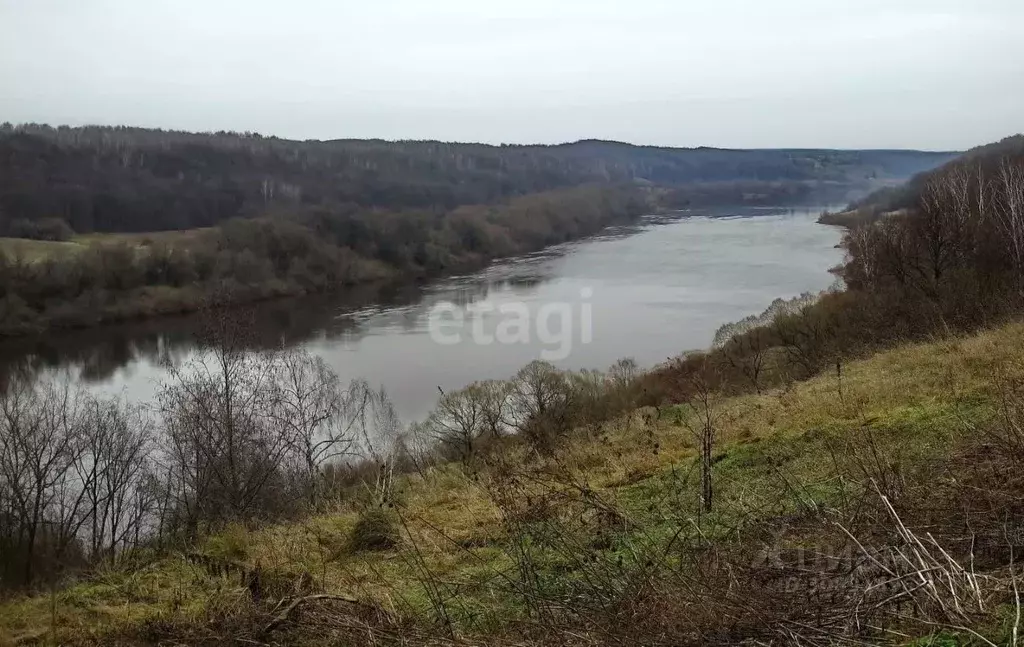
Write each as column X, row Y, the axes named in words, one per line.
column 282, row 617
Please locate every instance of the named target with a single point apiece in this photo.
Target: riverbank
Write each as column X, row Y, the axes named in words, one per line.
column 657, row 287
column 245, row 261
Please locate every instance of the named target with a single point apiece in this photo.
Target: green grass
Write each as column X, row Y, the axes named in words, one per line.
column 144, row 239
column 781, row 454
column 36, row 250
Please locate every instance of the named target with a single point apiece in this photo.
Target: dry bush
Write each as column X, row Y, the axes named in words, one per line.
column 375, row 529
column 1006, row 430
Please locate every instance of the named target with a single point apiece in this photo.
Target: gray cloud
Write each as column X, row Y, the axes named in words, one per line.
column 846, row 73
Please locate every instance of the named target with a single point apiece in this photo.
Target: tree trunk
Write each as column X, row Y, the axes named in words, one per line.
column 707, row 492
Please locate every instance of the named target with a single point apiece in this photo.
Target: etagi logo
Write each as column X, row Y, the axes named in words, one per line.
column 556, row 325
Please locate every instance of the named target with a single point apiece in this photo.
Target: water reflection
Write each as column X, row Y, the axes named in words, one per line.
column 660, row 287
column 96, row 354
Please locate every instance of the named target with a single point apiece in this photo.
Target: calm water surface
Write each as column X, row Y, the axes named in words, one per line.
column 653, row 290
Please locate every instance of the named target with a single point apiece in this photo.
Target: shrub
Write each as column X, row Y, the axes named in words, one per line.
column 44, row 229
column 376, row 529
column 231, row 543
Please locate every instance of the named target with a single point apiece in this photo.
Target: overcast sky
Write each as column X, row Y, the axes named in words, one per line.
column 936, row 74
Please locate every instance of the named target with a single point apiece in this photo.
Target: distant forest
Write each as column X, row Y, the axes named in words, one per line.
column 119, row 179
column 906, row 196
column 268, row 217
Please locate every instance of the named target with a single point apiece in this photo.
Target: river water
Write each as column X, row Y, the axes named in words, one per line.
column 647, row 291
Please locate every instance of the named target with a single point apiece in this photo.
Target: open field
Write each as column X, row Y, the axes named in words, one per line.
column 34, row 250
column 144, row 239
column 595, row 508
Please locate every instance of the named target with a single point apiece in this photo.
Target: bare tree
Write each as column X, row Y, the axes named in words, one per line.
column 1007, row 210
column 862, row 255
column 624, row 372
column 943, row 227
column 382, row 434
column 116, row 476
column 702, row 424
column 748, row 353
column 807, row 339
column 462, row 417
column 456, row 421
column 539, row 403
column 315, row 413
column 40, row 442
column 537, row 388
column 221, row 437
column 496, row 397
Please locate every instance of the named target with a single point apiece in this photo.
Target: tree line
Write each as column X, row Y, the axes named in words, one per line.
column 291, row 254
column 269, row 217
column 58, row 181
column 905, row 196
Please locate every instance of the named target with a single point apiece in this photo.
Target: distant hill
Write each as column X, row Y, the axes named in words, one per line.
column 121, row 179
column 904, row 196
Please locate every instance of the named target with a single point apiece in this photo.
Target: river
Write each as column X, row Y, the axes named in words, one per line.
column 647, row 291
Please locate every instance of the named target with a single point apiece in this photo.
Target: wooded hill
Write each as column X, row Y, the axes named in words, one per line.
column 905, row 196
column 121, row 179
column 270, row 217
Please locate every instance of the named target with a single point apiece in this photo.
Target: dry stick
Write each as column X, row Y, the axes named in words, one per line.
column 907, row 591
column 920, row 553
column 1016, row 598
column 927, row 581
column 827, row 634
column 946, row 625
column 283, row 616
column 866, row 552
column 973, row 573
column 971, row 579
column 430, row 579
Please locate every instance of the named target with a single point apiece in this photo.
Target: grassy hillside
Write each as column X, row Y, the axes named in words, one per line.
column 604, row 542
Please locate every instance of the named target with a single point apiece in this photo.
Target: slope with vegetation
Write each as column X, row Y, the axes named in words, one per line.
column 846, row 472
column 902, row 197
column 821, row 492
